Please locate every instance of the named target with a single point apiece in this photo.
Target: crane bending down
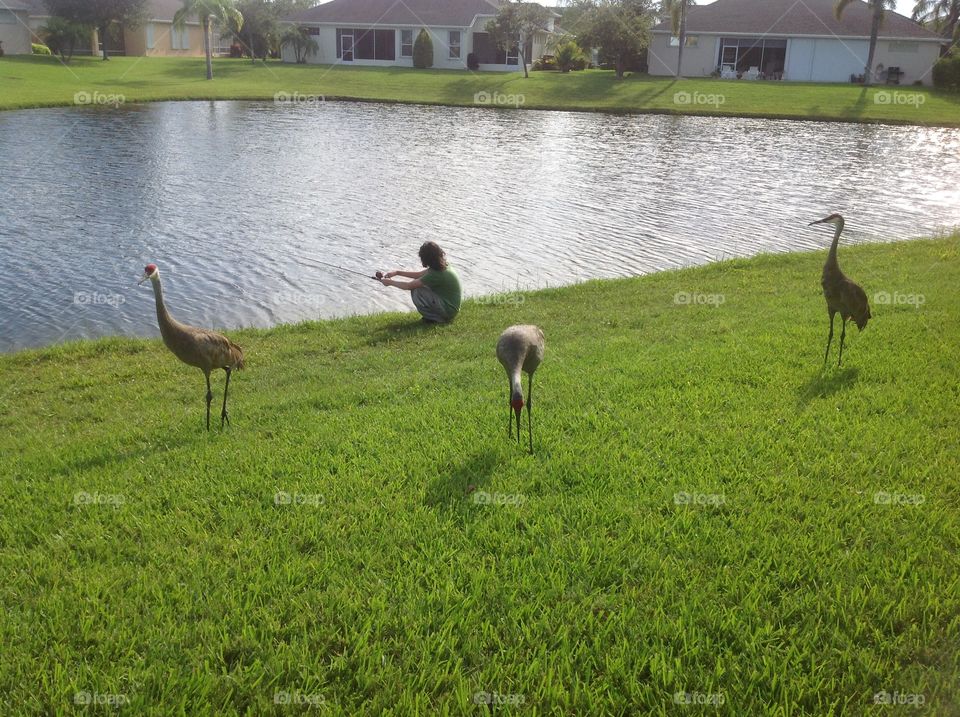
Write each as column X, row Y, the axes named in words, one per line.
column 204, row 349
column 842, row 294
column 520, row 348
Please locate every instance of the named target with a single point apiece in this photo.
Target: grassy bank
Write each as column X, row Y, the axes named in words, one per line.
column 37, row 81
column 813, row 565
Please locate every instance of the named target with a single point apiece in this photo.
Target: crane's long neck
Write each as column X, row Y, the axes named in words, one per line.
column 516, row 384
column 832, row 256
column 163, row 316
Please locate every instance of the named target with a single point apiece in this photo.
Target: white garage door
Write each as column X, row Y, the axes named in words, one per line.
column 810, row 60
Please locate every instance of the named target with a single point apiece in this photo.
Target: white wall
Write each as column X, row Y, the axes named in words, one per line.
column 327, row 39
column 916, row 64
column 14, row 33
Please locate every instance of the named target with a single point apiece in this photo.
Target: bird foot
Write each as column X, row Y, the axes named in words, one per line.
column 224, row 417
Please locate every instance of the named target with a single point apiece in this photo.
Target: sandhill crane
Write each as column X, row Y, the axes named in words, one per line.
column 204, row 349
column 520, row 348
column 842, row 294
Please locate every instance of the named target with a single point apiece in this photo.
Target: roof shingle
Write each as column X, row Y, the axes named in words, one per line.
column 443, row 13
column 794, row 17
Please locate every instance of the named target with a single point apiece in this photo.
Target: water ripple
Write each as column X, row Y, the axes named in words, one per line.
column 228, row 197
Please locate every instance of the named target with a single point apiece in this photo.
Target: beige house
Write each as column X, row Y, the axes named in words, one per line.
column 797, row 41
column 21, row 21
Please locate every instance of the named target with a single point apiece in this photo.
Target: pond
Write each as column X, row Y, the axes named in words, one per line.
column 231, row 199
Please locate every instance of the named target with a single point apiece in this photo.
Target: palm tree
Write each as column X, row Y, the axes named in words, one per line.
column 223, row 11
column 942, row 15
column 677, row 10
column 879, row 8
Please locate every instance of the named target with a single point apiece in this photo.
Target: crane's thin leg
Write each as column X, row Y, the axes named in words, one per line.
column 843, row 335
column 209, row 397
column 223, row 412
column 826, row 355
column 529, row 402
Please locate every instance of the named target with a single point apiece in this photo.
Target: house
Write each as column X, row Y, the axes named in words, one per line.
column 382, row 33
column 18, row 18
column 794, row 40
column 21, row 22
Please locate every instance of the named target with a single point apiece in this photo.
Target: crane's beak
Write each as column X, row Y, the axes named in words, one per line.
column 143, row 278
column 819, row 221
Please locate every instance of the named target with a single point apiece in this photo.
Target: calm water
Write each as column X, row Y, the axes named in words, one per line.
column 228, row 197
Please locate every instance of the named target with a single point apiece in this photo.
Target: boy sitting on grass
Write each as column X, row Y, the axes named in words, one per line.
column 435, row 290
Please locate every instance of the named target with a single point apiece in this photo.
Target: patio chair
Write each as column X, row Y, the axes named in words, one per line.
column 728, row 72
column 752, row 74
column 893, row 75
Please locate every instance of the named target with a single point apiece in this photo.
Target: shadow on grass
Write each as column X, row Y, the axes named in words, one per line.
column 824, row 384
column 452, row 490
column 402, row 329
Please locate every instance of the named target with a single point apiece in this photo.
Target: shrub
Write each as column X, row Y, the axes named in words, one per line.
column 423, row 51
column 547, row 62
column 946, row 73
column 39, row 49
column 566, row 54
column 64, row 36
column 472, row 62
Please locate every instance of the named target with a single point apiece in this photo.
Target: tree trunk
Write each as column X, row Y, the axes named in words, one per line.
column 206, row 47
column 874, row 31
column 103, row 40
column 683, row 36
column 253, row 54
column 619, row 67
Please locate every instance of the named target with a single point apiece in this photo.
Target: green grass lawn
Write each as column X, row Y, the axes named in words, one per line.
column 39, row 81
column 707, row 512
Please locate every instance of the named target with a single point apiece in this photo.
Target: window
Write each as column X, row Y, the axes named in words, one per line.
column 150, row 42
column 903, row 46
column 692, row 41
column 406, row 43
column 7, row 17
column 367, row 44
column 179, row 38
column 454, row 44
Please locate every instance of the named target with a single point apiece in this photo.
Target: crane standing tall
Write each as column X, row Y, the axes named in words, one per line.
column 520, row 348
column 207, row 350
column 843, row 295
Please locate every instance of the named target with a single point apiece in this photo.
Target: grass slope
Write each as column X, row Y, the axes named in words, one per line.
column 383, row 587
column 38, row 81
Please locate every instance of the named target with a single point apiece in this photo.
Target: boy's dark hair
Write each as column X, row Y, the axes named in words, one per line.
column 432, row 256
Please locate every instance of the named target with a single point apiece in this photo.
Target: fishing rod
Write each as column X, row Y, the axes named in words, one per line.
column 377, row 277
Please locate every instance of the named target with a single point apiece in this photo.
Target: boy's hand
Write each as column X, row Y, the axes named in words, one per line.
column 389, row 275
